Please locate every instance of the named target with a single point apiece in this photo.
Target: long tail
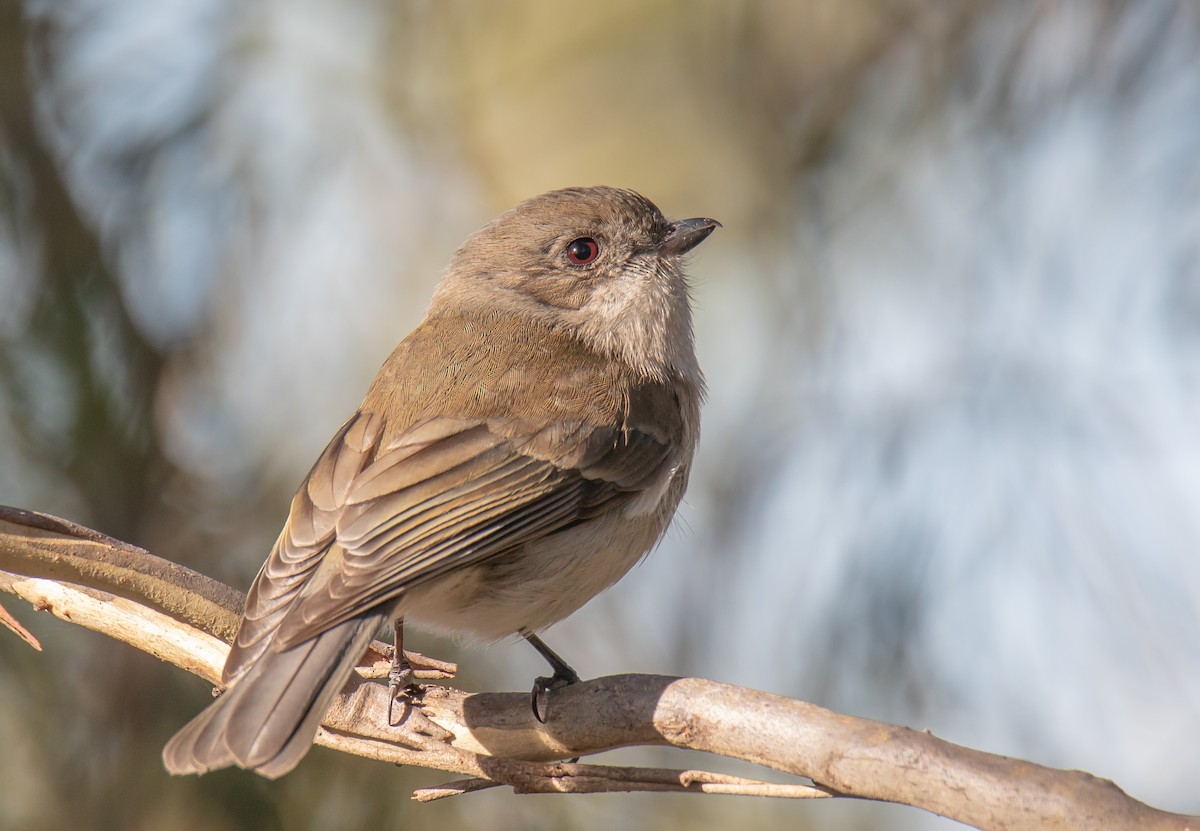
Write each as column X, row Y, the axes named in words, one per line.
column 267, row 719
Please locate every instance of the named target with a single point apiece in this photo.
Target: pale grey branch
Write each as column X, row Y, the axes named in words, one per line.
column 492, row 738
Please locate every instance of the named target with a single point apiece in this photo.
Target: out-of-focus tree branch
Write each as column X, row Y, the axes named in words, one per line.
column 186, row 618
column 77, row 304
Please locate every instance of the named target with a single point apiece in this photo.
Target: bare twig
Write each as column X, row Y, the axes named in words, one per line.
column 573, row 778
column 492, row 738
column 13, row 625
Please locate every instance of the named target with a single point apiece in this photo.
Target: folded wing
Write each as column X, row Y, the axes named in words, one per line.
column 446, row 494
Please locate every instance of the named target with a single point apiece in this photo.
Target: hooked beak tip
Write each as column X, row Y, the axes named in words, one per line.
column 685, row 234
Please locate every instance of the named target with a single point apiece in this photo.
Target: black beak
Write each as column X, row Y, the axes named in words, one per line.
column 685, row 234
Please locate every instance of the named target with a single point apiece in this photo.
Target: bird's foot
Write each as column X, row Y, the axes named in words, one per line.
column 401, row 682
column 543, row 686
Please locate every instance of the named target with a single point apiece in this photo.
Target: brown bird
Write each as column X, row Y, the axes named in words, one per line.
column 516, row 454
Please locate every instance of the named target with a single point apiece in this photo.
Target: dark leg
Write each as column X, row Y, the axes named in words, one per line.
column 401, row 675
column 563, row 675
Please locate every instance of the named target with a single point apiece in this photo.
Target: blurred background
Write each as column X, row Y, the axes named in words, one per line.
column 950, row 471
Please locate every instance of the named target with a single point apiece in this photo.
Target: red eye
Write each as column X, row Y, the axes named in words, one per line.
column 582, row 251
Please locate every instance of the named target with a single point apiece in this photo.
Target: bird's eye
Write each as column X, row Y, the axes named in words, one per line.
column 582, row 251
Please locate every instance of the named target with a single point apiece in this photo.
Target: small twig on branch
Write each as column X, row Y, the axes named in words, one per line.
column 492, row 738
column 574, row 778
column 13, row 625
column 455, row 788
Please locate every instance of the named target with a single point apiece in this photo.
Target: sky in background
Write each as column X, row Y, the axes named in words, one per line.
column 950, row 470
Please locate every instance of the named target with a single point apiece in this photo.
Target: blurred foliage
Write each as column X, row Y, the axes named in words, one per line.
column 215, row 219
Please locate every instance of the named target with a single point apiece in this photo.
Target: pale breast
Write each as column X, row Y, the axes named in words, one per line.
column 541, row 583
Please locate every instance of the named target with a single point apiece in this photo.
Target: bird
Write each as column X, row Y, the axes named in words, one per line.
column 517, row 453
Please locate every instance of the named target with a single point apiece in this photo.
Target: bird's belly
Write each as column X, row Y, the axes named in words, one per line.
column 537, row 585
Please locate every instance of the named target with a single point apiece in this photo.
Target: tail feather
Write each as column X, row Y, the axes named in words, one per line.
column 267, row 719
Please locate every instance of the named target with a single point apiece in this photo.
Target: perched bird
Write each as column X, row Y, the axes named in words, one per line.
column 516, row 454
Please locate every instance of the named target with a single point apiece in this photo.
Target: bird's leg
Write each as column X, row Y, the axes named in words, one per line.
column 400, row 677
column 563, row 675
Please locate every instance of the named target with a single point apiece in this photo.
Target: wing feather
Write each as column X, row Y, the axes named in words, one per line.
column 306, row 536
column 446, row 494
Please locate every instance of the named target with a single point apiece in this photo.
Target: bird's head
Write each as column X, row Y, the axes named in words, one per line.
column 600, row 262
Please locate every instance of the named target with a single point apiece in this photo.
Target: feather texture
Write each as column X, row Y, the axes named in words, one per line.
column 510, row 460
